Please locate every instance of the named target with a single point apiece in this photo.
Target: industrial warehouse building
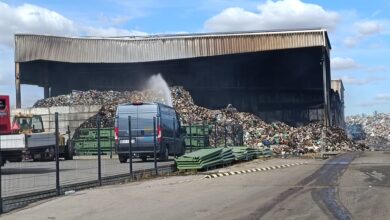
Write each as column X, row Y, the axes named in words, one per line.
column 278, row 75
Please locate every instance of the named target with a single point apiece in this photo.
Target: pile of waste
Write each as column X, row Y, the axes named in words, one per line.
column 257, row 133
column 228, row 124
column 109, row 101
column 376, row 127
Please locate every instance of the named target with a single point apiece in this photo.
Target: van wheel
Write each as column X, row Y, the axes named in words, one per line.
column 164, row 156
column 122, row 158
column 183, row 148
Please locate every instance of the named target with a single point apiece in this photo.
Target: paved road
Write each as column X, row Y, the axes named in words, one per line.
column 351, row 186
column 24, row 177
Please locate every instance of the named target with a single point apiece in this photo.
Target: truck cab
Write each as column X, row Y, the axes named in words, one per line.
column 27, row 124
column 167, row 131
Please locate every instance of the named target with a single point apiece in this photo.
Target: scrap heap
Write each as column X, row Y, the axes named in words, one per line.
column 107, row 99
column 256, row 133
column 376, row 127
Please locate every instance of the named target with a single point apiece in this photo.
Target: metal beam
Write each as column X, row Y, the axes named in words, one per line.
column 17, row 86
column 326, row 89
column 46, row 91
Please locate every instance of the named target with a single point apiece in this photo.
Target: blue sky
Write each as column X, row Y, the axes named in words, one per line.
column 359, row 32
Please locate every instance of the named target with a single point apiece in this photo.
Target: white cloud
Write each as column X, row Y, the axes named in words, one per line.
column 383, row 97
column 365, row 29
column 362, row 81
column 352, row 41
column 111, row 32
column 347, row 63
column 33, row 19
column 285, row 14
column 376, row 69
column 371, row 103
column 343, row 63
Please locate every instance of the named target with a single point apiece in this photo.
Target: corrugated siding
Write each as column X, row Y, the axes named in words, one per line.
column 116, row 50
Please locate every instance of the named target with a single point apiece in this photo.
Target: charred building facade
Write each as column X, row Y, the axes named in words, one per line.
column 279, row 75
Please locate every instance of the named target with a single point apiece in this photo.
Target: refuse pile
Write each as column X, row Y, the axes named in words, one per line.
column 228, row 124
column 257, row 133
column 376, row 127
column 109, row 101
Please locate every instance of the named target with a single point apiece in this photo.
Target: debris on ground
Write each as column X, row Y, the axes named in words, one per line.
column 376, row 127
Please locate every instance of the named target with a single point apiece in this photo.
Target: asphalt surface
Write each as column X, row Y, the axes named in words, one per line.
column 349, row 186
column 26, row 177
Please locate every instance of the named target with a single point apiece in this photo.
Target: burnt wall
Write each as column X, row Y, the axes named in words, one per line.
column 276, row 85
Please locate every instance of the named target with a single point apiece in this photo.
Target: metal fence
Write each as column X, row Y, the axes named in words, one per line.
column 209, row 134
column 32, row 172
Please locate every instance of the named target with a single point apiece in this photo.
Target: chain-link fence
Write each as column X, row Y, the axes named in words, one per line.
column 49, row 154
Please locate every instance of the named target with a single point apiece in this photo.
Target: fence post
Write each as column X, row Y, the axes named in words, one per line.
column 190, row 136
column 174, row 137
column 130, row 150
column 225, row 131
column 215, row 136
column 99, row 151
column 204, row 134
column 110, row 143
column 155, row 144
column 58, row 189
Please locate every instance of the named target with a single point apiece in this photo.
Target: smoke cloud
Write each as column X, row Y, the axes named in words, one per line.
column 157, row 84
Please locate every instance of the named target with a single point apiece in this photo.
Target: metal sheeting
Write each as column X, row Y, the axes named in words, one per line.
column 157, row 48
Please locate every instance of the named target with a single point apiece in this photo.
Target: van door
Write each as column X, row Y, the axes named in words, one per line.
column 144, row 140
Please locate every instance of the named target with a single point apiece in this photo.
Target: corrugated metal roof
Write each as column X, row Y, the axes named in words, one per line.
column 155, row 48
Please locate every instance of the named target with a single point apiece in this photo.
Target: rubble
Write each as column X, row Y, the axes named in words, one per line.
column 280, row 137
column 376, row 127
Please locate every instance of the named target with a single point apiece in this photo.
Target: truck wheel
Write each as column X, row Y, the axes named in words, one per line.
column 144, row 158
column 122, row 158
column 68, row 154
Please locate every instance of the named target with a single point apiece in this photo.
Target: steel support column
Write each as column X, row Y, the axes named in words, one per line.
column 325, row 88
column 17, row 86
column 46, row 91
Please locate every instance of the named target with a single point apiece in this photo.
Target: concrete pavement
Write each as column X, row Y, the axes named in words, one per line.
column 330, row 189
column 26, row 177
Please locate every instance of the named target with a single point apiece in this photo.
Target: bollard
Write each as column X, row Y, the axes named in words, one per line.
column 130, row 150
column 155, row 144
column 56, row 149
column 99, row 151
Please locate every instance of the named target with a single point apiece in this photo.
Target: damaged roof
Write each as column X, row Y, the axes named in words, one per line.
column 29, row 47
